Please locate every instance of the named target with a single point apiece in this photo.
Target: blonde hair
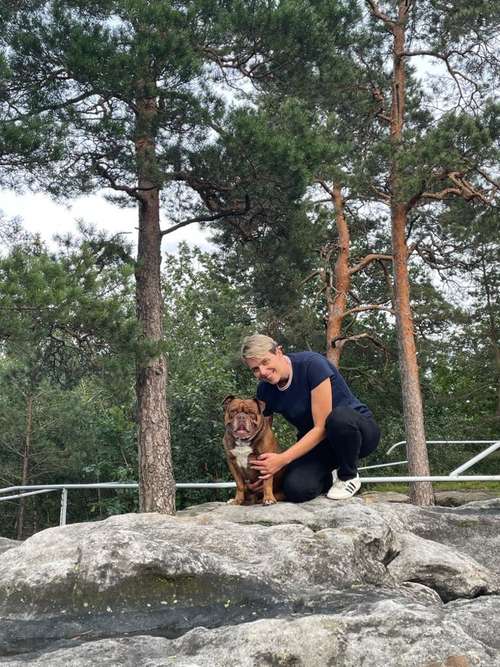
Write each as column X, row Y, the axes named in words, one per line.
column 257, row 346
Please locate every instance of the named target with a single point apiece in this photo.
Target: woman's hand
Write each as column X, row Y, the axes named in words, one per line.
column 268, row 464
column 258, row 485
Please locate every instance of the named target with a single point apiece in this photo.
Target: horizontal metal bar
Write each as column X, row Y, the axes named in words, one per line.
column 117, row 485
column 205, row 485
column 383, row 465
column 100, row 485
column 231, row 485
column 432, row 478
column 444, row 442
column 23, row 495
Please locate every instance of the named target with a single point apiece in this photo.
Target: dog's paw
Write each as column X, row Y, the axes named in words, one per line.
column 234, row 501
column 269, row 501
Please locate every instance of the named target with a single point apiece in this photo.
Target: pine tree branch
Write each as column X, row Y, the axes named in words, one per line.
column 132, row 192
column 312, row 275
column 238, row 64
column 442, row 194
column 413, row 201
column 340, row 341
column 48, row 107
column 368, row 259
column 388, row 281
column 325, row 187
column 381, row 195
column 488, row 178
column 368, row 306
column 463, row 188
column 230, row 212
column 376, row 11
column 378, row 96
column 454, row 73
column 326, row 200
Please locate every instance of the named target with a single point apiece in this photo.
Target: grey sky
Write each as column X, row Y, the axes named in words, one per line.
column 40, row 213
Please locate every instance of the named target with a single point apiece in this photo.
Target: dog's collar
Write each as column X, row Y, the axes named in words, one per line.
column 239, row 442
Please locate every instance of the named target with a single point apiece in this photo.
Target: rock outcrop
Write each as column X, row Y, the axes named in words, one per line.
column 358, row 582
column 7, row 544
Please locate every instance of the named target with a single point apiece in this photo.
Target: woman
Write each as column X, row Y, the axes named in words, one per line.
column 334, row 428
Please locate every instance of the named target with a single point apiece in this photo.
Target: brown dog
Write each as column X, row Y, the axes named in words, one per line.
column 248, row 434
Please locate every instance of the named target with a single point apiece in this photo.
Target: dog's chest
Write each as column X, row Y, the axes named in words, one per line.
column 241, row 451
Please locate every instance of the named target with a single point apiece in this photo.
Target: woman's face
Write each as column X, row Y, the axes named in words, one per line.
column 271, row 368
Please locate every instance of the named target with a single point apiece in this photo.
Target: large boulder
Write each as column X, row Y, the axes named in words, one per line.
column 451, row 574
column 6, row 544
column 472, row 529
column 326, row 574
column 457, row 498
column 379, row 634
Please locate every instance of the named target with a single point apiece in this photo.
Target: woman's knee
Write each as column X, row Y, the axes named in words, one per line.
column 341, row 419
column 371, row 440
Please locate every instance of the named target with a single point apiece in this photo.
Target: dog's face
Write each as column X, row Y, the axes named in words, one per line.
column 243, row 417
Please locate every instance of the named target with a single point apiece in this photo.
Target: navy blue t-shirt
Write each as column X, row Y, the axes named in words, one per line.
column 294, row 403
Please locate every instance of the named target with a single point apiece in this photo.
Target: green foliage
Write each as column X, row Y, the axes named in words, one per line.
column 206, row 315
column 68, row 337
column 462, row 143
column 63, row 313
column 443, row 23
column 85, row 432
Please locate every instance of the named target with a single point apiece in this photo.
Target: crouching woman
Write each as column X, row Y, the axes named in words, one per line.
column 334, row 428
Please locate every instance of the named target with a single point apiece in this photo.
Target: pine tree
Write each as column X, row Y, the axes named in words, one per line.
column 448, row 33
column 124, row 85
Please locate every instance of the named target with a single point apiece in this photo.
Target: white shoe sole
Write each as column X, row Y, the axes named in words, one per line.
column 342, row 490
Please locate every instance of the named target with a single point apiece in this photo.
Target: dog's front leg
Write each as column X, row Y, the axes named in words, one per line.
column 268, row 498
column 239, row 498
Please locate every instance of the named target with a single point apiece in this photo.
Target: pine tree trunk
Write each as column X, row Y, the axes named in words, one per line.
column 421, row 493
column 337, row 297
column 493, row 331
column 418, row 463
column 156, row 481
column 26, row 464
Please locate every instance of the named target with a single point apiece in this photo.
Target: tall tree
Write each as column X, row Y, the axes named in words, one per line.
column 447, row 33
column 125, row 83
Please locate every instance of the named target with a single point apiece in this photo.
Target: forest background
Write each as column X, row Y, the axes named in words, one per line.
column 273, row 125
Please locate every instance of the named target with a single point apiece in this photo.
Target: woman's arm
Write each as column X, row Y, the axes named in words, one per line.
column 321, row 406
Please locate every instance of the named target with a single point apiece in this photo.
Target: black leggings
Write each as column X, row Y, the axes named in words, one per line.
column 349, row 437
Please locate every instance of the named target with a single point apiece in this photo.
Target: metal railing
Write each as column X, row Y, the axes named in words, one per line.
column 454, row 476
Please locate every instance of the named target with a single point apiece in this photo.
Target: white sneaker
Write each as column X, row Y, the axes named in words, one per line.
column 343, row 488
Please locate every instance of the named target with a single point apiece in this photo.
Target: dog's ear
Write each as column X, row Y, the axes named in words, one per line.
column 227, row 400
column 261, row 404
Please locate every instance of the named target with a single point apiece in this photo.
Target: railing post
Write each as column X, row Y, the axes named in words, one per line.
column 64, row 507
